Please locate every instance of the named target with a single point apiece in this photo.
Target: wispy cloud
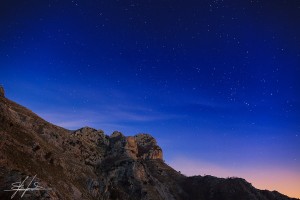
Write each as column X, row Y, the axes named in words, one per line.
column 105, row 116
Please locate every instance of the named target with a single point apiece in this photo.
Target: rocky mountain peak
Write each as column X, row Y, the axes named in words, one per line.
column 140, row 146
column 87, row 164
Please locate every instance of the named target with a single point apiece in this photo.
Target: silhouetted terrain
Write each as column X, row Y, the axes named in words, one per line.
column 87, row 164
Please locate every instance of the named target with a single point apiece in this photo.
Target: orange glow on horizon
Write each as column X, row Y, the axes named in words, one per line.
column 281, row 180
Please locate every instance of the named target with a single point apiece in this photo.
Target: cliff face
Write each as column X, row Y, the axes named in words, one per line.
column 87, row 164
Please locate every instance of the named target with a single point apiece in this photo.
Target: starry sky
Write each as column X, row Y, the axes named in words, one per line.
column 215, row 82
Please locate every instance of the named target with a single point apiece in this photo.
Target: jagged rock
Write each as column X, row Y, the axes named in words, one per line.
column 131, row 147
column 87, row 164
column 90, row 134
column 147, row 147
column 116, row 134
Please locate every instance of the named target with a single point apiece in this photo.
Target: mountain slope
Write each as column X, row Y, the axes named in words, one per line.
column 87, row 164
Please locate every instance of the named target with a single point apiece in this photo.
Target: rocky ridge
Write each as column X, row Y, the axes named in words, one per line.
column 87, row 164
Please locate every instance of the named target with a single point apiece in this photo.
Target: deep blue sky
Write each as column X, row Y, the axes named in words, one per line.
column 214, row 81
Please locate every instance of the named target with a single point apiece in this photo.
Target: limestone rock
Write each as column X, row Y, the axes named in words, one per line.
column 147, row 147
column 131, row 147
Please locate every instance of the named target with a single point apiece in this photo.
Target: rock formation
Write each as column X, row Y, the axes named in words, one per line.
column 87, row 164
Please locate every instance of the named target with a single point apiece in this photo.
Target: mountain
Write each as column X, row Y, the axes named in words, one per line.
column 87, row 164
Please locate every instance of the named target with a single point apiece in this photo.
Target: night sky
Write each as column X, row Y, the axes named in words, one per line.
column 215, row 82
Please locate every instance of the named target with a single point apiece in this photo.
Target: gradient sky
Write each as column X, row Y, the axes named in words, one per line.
column 215, row 82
